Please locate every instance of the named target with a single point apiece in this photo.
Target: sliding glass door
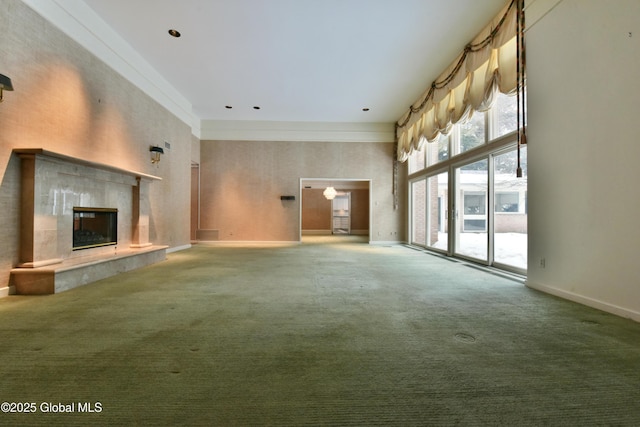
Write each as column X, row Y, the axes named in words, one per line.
column 436, row 211
column 418, row 212
column 490, row 210
column 487, row 213
column 466, row 182
column 429, row 205
column 471, row 210
column 510, row 210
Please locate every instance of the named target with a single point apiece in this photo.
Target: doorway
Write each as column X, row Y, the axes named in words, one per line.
column 352, row 210
column 341, row 214
column 195, row 201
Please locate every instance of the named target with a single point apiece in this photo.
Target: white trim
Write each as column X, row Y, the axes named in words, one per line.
column 76, row 19
column 7, row 290
column 590, row 302
column 535, row 10
column 178, row 248
column 242, row 130
column 249, row 243
column 371, row 206
column 387, row 242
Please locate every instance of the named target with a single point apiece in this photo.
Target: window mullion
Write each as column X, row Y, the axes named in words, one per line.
column 490, row 210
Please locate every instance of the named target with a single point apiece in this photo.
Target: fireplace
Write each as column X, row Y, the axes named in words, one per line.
column 93, row 227
column 70, row 205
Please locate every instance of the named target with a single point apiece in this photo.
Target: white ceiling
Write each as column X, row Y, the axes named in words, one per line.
column 299, row 60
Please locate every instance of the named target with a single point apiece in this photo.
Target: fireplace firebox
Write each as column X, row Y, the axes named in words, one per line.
column 93, row 227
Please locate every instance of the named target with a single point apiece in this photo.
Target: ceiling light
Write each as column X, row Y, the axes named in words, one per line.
column 174, row 33
column 330, row 193
column 365, row 109
column 256, row 108
column 228, row 107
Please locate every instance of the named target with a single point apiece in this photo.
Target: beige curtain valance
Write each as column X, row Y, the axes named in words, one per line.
column 487, row 65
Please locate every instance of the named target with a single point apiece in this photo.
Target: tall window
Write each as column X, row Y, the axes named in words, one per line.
column 437, row 207
column 417, row 160
column 504, row 113
column 471, row 181
column 510, row 209
column 472, row 133
column 486, row 206
column 438, row 151
column 418, row 212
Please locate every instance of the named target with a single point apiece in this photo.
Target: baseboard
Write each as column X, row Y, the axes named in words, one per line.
column 328, row 232
column 245, row 243
column 385, row 242
column 7, row 290
column 178, row 248
column 316, row 232
column 590, row 302
column 360, row 232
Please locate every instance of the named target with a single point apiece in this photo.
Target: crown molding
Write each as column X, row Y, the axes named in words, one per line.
column 537, row 9
column 76, row 19
column 237, row 130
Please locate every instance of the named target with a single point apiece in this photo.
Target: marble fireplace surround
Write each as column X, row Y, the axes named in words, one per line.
column 52, row 184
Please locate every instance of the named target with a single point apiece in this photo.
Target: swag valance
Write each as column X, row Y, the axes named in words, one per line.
column 487, row 65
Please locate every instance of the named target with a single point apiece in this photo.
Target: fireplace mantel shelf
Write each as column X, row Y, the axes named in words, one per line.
column 47, row 153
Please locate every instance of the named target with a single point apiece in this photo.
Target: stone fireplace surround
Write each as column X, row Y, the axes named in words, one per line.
column 52, row 185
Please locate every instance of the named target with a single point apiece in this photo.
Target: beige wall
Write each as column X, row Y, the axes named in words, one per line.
column 242, row 181
column 359, row 210
column 583, row 58
column 316, row 211
column 67, row 101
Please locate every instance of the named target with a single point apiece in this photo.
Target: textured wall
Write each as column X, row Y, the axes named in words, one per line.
column 67, row 101
column 316, row 211
column 242, row 181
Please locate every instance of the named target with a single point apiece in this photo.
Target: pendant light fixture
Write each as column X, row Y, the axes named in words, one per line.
column 329, row 193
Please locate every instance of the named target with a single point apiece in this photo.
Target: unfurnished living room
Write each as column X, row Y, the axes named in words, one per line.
column 354, row 212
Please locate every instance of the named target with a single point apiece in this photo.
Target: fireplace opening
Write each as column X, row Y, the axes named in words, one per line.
column 93, row 227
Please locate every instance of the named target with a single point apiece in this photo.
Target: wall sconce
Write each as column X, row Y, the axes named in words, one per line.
column 330, row 193
column 5, row 84
column 155, row 154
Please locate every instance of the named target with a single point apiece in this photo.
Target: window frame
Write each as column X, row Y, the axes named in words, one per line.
column 489, row 149
column 454, row 153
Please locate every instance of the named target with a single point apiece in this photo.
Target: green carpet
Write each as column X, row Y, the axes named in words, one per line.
column 325, row 333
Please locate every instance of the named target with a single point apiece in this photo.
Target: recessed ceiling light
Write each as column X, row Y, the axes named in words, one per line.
column 256, row 108
column 365, row 109
column 174, row 33
column 228, row 107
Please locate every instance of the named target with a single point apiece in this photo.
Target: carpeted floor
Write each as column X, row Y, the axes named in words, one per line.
column 328, row 332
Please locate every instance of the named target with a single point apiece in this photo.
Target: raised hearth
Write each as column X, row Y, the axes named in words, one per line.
column 76, row 272
column 81, row 221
